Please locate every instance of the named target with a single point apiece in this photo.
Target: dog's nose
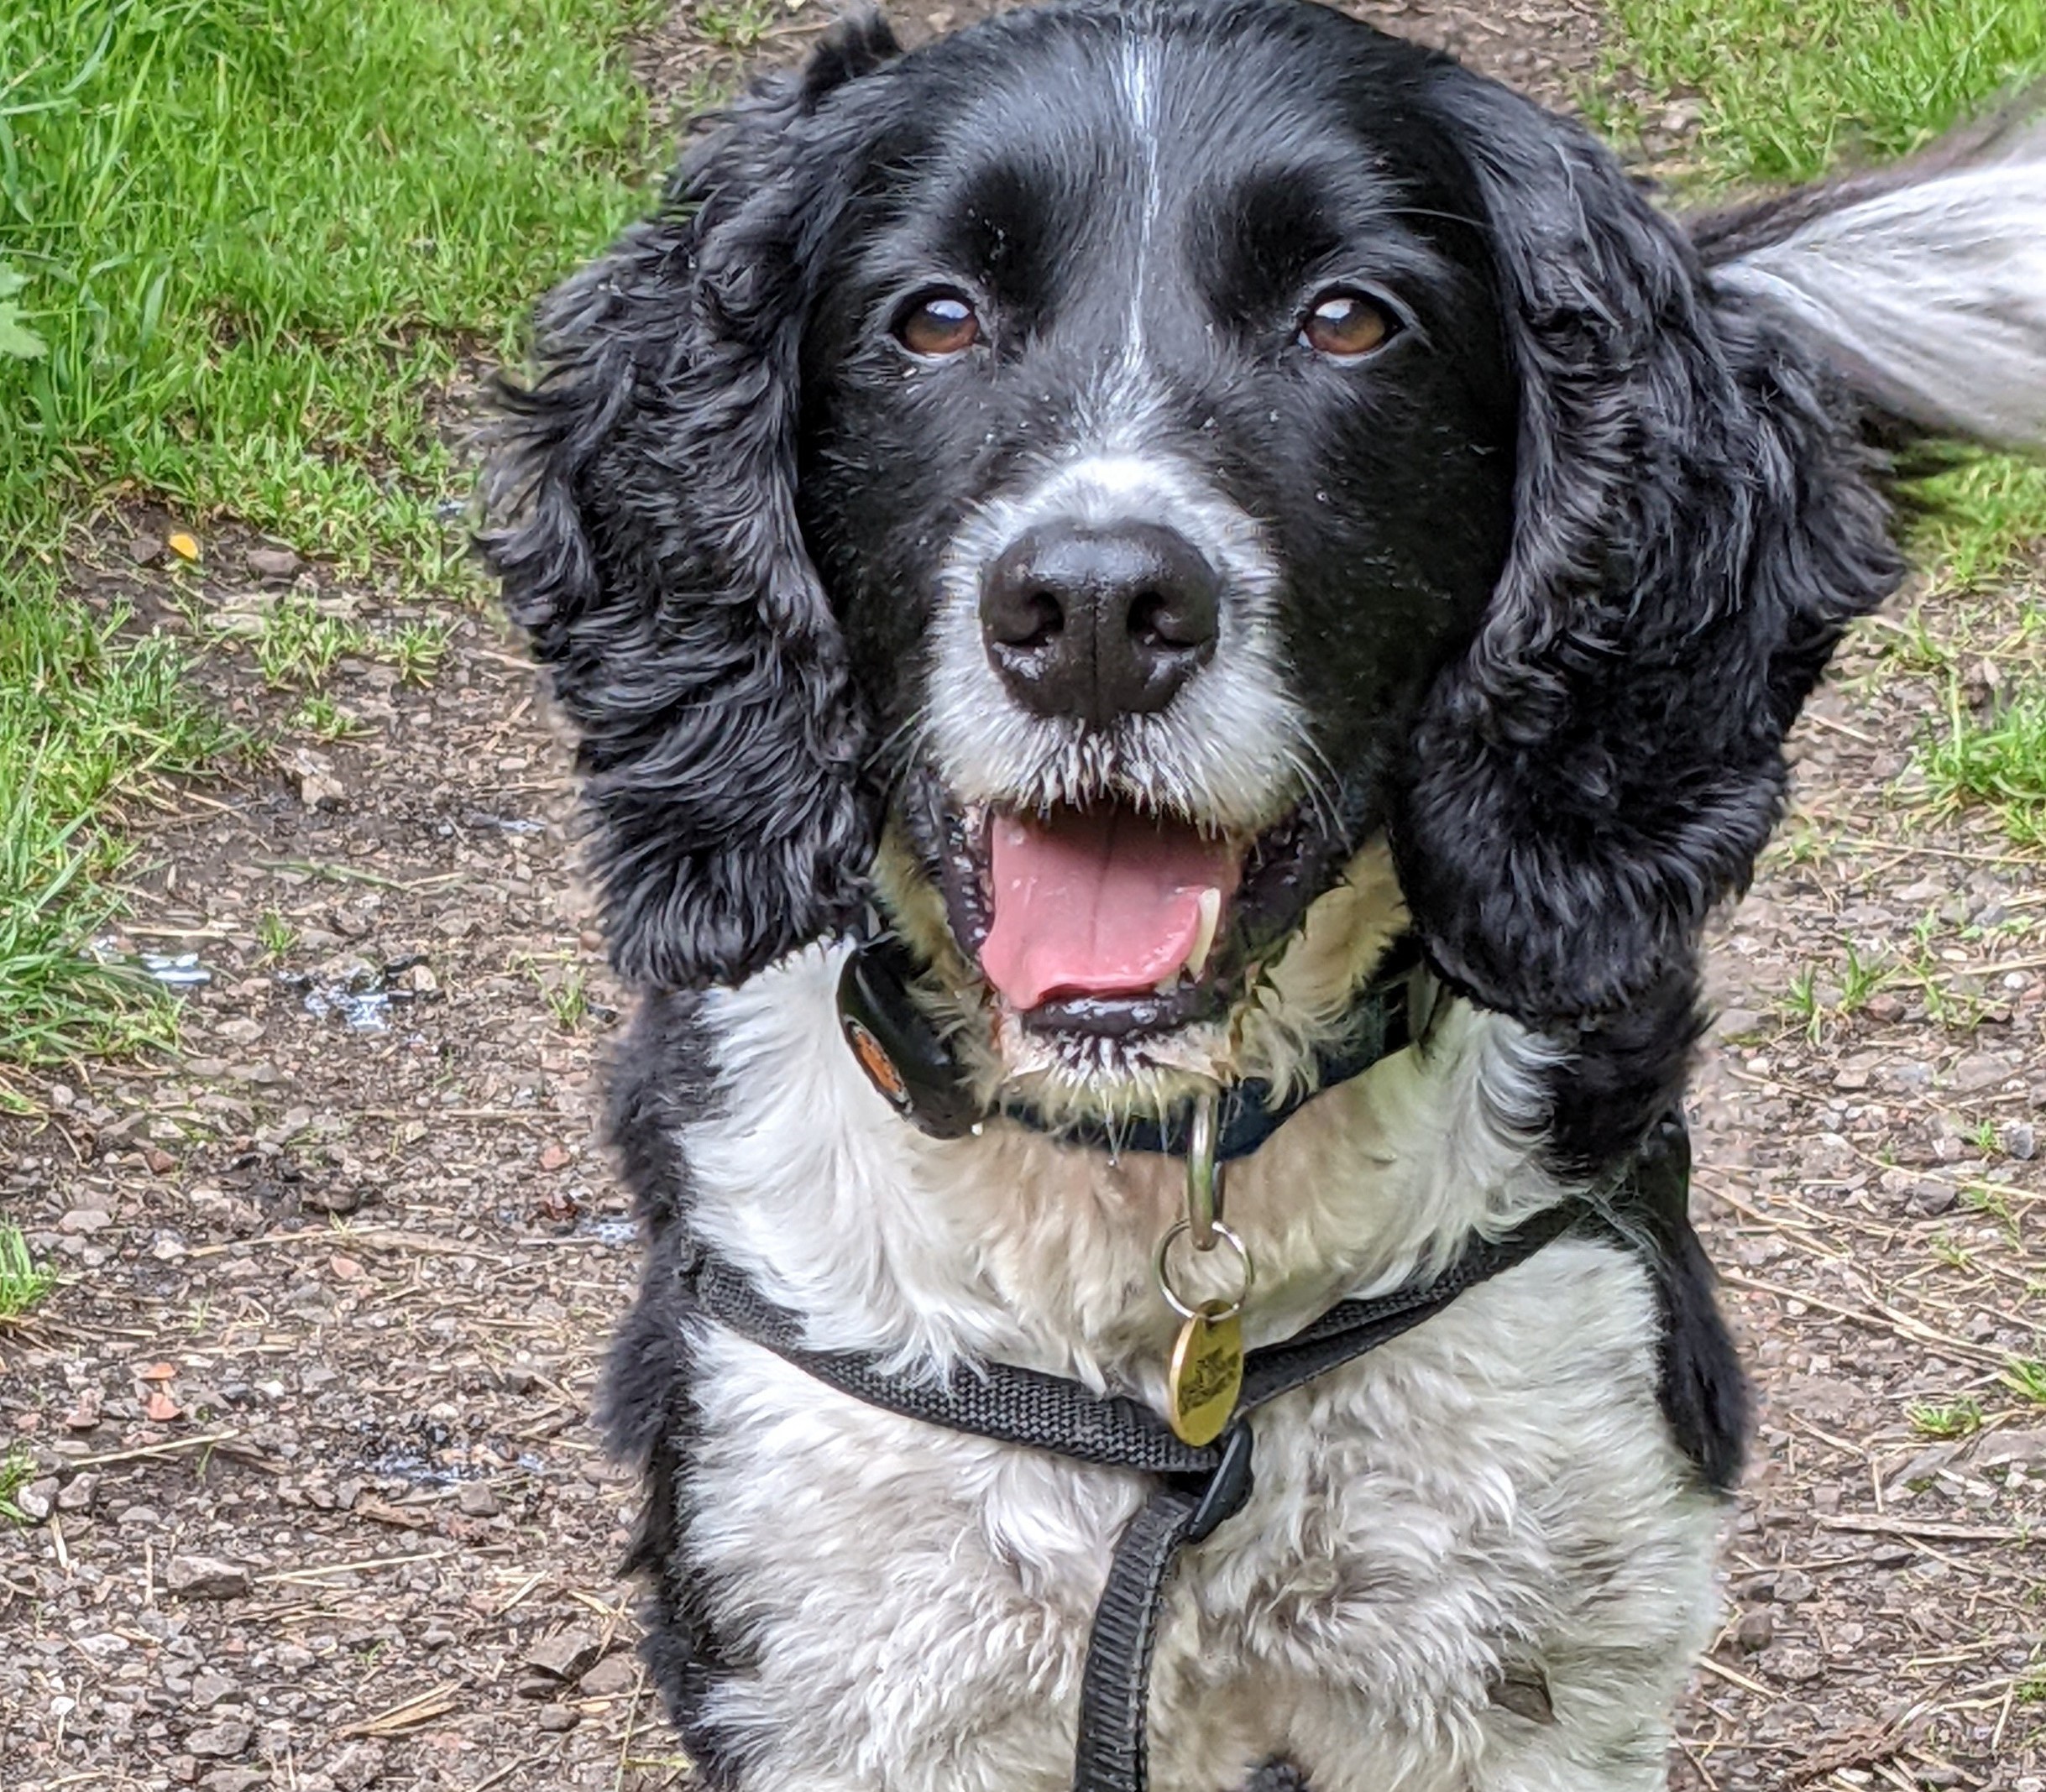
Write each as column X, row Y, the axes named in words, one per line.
column 1098, row 622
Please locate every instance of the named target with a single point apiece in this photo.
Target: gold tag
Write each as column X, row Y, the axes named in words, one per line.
column 1206, row 1373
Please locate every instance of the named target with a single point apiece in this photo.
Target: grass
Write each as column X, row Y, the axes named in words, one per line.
column 2000, row 760
column 1789, row 87
column 1949, row 1418
column 17, row 1471
column 244, row 248
column 2026, row 1377
column 23, row 1282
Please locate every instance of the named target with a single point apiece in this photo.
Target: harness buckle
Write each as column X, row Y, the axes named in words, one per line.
column 1228, row 1486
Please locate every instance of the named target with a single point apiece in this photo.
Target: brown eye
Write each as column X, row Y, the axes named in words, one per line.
column 940, row 323
column 1346, row 324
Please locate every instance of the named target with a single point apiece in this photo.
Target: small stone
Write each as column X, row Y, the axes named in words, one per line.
column 1799, row 1666
column 220, row 1741
column 557, row 1717
column 273, row 563
column 85, row 1220
column 235, row 1779
column 1756, row 1632
column 206, row 1577
column 1978, row 1071
column 294, row 1658
column 208, row 1688
column 360, row 1764
column 568, row 1655
column 338, row 1199
column 553, row 1157
column 78, row 1494
column 146, row 550
column 1886, row 1007
column 536, row 1687
column 2021, row 1140
column 35, row 1501
column 612, row 1678
column 1933, row 1199
column 1793, row 1585
column 1891, row 1554
column 159, row 1160
column 477, row 1500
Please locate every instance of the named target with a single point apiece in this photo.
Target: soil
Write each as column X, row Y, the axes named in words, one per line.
column 316, row 1501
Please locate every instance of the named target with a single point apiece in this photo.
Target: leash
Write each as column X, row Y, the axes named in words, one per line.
column 1201, row 1486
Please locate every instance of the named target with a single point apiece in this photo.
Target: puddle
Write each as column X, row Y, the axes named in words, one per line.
column 174, row 970
column 180, row 971
column 363, row 998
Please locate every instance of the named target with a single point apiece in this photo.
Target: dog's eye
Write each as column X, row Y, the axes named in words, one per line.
column 1347, row 325
column 938, row 323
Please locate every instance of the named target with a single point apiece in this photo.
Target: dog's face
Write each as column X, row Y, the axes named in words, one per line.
column 1136, row 391
column 1093, row 476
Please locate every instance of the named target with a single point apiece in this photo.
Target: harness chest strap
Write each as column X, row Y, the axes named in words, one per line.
column 1201, row 1487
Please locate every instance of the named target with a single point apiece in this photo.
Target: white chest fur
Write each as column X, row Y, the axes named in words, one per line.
column 1495, row 1492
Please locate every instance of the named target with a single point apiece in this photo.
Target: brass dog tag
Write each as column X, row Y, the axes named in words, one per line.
column 1206, row 1373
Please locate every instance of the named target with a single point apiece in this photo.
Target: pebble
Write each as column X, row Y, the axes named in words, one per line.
column 2021, row 1140
column 1755, row 1633
column 476, row 1501
column 360, row 1764
column 1793, row 1585
column 206, row 1577
column 219, row 1740
column 568, row 1655
column 557, row 1717
column 1978, row 1071
column 209, row 1688
column 612, row 1678
column 273, row 563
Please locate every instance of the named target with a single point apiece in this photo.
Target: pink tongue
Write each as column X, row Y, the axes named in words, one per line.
column 1095, row 902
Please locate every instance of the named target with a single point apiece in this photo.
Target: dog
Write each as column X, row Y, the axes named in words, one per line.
column 1155, row 567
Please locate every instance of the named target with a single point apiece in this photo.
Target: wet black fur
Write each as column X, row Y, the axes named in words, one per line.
column 1561, row 574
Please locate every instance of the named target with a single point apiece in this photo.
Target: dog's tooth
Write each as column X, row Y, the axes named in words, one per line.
column 1204, row 933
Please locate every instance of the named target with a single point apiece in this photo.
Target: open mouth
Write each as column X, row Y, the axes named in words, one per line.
column 1112, row 920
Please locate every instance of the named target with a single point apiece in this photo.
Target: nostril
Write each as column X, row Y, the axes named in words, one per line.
column 1166, row 621
column 1038, row 619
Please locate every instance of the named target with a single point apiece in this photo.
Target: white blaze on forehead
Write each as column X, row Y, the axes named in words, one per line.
column 1139, row 85
column 1231, row 750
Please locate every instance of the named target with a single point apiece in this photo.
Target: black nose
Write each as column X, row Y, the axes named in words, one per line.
column 1098, row 622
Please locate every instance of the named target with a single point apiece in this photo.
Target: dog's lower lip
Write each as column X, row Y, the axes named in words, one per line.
column 1127, row 1016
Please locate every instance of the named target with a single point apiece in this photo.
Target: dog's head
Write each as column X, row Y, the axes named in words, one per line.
column 1095, row 477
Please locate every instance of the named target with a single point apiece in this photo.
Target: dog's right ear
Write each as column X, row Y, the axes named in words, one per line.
column 641, row 512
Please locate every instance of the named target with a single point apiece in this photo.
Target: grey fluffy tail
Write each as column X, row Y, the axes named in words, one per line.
column 1923, row 284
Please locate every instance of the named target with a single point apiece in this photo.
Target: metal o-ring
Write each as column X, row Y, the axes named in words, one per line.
column 1228, row 1235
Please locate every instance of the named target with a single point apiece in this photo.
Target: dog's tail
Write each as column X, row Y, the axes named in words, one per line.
column 1924, row 283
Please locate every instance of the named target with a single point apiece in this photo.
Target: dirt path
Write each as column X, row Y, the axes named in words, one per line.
column 309, row 1419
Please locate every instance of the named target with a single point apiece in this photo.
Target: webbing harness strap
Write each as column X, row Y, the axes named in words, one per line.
column 1203, row 1485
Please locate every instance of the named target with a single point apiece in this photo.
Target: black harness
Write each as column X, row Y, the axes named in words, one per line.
column 1199, row 1486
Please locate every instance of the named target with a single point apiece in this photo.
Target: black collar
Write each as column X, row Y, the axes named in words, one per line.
column 906, row 1058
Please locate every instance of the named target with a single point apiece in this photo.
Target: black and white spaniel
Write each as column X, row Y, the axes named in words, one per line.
column 1154, row 525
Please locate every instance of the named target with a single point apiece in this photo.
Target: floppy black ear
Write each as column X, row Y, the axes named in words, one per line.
column 1696, row 524
column 641, row 507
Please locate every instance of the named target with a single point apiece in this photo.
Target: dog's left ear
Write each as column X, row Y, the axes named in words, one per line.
column 1694, row 527
column 642, row 516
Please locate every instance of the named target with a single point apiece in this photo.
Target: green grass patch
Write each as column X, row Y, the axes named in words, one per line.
column 17, row 1471
column 245, row 248
column 1984, row 522
column 2000, row 761
column 1789, row 87
column 23, row 1282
